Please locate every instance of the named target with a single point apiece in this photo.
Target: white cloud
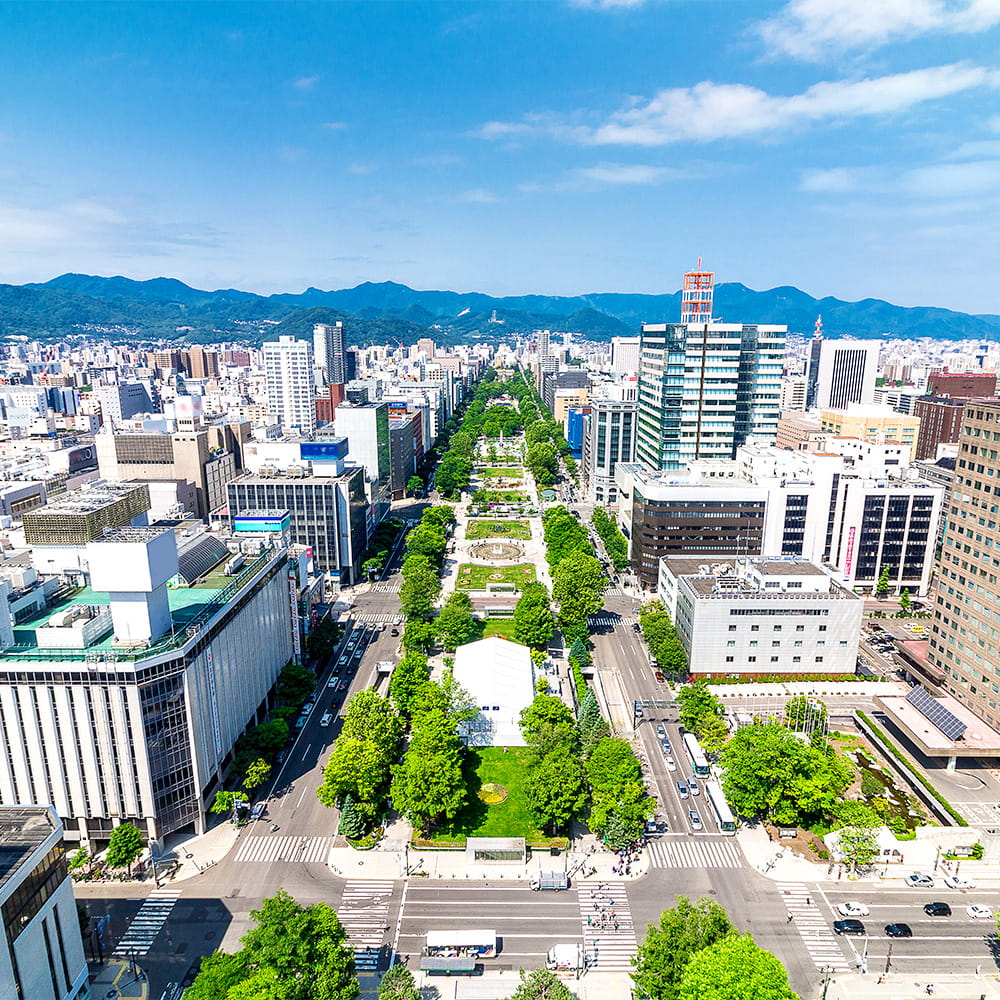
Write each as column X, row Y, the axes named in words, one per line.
column 478, row 196
column 710, row 111
column 984, row 149
column 835, row 179
column 815, row 29
column 607, row 4
column 334, row 126
column 626, row 173
column 305, row 82
column 951, row 180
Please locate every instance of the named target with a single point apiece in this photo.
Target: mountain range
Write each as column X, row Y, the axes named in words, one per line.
column 165, row 308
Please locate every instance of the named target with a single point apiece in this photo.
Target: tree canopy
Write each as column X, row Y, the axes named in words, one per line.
column 684, row 930
column 541, row 985
column 735, row 968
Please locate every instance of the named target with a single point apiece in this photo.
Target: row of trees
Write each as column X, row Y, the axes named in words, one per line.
column 610, row 534
column 534, row 623
column 701, row 713
column 695, row 953
column 578, row 579
column 542, row 461
column 662, row 639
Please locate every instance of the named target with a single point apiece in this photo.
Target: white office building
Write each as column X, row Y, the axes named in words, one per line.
column 761, row 616
column 41, row 954
column 608, row 438
column 842, row 372
column 122, row 701
column 625, row 355
column 288, row 372
column 329, row 352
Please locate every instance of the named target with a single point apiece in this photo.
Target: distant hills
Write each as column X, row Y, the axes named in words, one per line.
column 165, row 308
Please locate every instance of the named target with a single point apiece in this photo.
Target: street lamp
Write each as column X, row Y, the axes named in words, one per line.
column 827, row 971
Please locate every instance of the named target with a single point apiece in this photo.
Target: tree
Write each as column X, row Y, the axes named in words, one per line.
column 771, row 774
column 591, row 724
column 857, row 835
column 78, row 859
column 534, row 623
column 420, row 587
column 683, row 931
column 429, row 785
column 579, row 652
column 455, row 624
column 371, row 717
column 427, row 540
column 409, row 676
column 696, row 702
column 371, row 566
column 291, row 953
column 541, row 984
column 419, row 635
column 124, row 845
column 352, row 824
column 554, row 788
column 547, row 723
column 257, row 773
column 579, row 574
column 712, row 733
column 905, row 602
column 358, row 769
column 804, row 715
column 398, row 984
column 735, row 968
column 543, row 462
column 882, row 586
column 295, row 683
column 414, row 484
column 225, row 802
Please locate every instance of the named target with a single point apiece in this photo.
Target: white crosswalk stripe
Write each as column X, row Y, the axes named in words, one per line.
column 692, row 853
column 608, row 932
column 364, row 910
column 613, row 591
column 387, row 618
column 603, row 621
column 304, row 849
column 146, row 923
column 811, row 923
column 385, row 588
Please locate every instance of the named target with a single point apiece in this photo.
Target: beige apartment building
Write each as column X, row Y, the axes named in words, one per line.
column 877, row 424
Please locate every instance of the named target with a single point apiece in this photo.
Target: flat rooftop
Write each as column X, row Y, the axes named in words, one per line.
column 89, row 498
column 707, row 587
column 23, row 829
column 980, row 740
column 790, row 567
column 188, row 606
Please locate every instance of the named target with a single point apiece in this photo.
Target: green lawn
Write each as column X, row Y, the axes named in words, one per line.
column 495, row 528
column 504, row 766
column 500, row 496
column 494, row 473
column 471, row 577
column 503, row 627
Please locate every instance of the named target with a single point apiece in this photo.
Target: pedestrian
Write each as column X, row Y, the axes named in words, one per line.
column 588, row 919
column 808, row 900
column 595, row 906
column 791, row 917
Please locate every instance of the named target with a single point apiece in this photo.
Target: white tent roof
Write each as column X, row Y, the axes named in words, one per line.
column 500, row 677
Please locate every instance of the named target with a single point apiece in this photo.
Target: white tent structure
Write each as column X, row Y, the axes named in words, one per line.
column 500, row 677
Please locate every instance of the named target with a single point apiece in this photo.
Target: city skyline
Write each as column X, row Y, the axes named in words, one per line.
column 506, row 148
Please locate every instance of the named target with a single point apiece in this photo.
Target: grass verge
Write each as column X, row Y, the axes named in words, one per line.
column 472, row 577
column 489, row 527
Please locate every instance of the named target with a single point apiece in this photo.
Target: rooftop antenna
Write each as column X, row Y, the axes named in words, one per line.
column 696, row 296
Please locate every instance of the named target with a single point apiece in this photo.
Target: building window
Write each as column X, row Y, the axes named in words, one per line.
column 819, row 659
column 729, row 659
column 774, row 659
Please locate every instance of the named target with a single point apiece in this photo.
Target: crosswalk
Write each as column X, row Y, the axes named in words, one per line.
column 385, row 588
column 364, row 911
column 603, row 621
column 387, row 618
column 811, row 923
column 268, row 848
column 146, row 923
column 613, row 591
column 608, row 932
column 691, row 853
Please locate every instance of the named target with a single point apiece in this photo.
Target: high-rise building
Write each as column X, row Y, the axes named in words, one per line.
column 940, row 423
column 845, row 372
column 41, row 955
column 624, row 355
column 962, row 385
column 812, row 364
column 329, row 352
column 965, row 635
column 704, row 390
column 288, row 370
column 367, row 431
column 199, row 363
column 608, row 438
column 119, row 402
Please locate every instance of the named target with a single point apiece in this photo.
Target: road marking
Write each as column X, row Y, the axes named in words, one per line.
column 364, row 911
column 146, row 924
column 608, row 947
column 269, row 848
column 385, row 588
column 810, row 922
column 694, row 854
column 386, row 618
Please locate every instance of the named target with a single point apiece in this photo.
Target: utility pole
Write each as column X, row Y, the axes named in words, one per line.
column 888, row 960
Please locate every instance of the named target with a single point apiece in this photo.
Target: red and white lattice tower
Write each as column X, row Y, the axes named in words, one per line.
column 696, row 296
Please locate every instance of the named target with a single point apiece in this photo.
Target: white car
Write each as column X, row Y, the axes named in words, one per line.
column 325, row 721
column 919, row 881
column 333, row 681
column 978, row 912
column 957, row 882
column 669, row 761
column 852, row 909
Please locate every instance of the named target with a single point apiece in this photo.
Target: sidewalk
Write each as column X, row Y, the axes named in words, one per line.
column 591, row 986
column 117, row 979
column 900, row 986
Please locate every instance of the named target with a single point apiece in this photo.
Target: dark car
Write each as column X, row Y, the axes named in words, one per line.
column 898, row 930
column 937, row 910
column 395, row 631
column 849, row 927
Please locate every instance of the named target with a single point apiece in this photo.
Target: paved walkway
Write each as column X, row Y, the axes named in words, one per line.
column 117, row 978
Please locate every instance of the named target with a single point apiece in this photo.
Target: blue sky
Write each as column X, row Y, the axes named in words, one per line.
column 849, row 147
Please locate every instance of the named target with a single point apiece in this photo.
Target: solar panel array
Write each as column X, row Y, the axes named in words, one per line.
column 936, row 714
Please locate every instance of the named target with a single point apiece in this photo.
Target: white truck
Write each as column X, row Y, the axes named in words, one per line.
column 565, row 958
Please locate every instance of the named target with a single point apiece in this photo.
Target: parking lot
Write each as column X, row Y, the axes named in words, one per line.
column 955, row 943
